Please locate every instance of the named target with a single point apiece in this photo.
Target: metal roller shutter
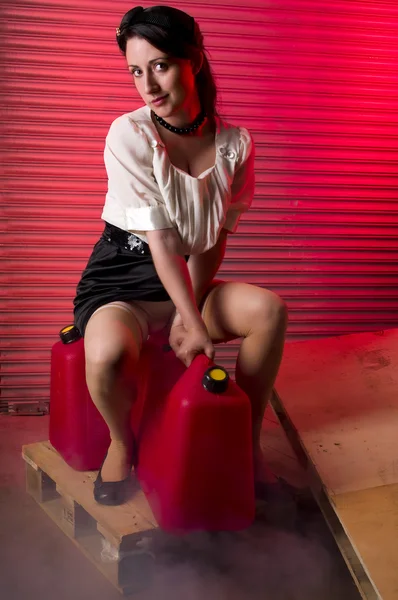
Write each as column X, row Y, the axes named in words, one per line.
column 316, row 84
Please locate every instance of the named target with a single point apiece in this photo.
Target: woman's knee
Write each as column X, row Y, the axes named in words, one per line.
column 104, row 355
column 111, row 344
column 268, row 310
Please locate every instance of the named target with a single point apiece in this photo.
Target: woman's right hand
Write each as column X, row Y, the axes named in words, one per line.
column 188, row 343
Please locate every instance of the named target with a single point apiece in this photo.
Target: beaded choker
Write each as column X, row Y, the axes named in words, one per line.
column 182, row 130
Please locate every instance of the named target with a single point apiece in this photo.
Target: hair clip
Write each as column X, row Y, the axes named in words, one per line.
column 117, row 31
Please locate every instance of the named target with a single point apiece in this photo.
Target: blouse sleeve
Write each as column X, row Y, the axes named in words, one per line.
column 131, row 182
column 242, row 188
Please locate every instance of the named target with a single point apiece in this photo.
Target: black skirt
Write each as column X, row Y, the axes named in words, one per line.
column 120, row 268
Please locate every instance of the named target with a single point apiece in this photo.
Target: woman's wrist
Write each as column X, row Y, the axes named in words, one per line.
column 192, row 319
column 190, row 324
column 176, row 318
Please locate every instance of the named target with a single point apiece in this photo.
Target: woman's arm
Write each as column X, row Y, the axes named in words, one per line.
column 170, row 264
column 168, row 257
column 203, row 267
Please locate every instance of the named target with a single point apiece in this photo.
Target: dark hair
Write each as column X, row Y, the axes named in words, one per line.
column 173, row 32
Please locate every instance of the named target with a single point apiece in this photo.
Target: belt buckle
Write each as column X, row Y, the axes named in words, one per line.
column 135, row 244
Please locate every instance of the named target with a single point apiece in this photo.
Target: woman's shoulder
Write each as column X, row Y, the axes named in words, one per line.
column 238, row 136
column 131, row 120
column 130, row 131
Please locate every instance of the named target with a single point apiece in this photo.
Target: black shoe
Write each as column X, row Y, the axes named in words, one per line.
column 274, row 492
column 282, row 491
column 111, row 493
column 275, row 503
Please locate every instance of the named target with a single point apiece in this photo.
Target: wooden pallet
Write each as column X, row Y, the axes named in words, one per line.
column 337, row 399
column 119, row 540
column 124, row 541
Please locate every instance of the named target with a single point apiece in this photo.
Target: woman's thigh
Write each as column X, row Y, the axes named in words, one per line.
column 119, row 326
column 233, row 310
column 114, row 331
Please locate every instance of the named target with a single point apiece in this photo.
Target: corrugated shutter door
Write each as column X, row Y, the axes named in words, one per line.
column 317, row 86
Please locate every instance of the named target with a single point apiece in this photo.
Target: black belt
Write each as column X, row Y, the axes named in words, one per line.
column 126, row 240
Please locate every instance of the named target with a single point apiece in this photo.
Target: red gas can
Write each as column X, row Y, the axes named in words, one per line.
column 193, row 432
column 195, row 461
column 77, row 430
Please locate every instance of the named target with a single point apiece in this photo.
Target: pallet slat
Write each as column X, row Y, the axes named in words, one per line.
column 116, row 539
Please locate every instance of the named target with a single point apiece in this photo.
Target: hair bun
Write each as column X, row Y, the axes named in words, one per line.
column 130, row 17
column 169, row 18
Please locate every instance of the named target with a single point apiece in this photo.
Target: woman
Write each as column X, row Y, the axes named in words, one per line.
column 179, row 179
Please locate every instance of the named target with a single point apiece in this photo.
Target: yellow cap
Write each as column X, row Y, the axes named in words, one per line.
column 69, row 334
column 66, row 329
column 215, row 380
column 218, row 374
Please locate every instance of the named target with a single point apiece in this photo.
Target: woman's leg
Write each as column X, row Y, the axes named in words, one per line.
column 112, row 342
column 238, row 310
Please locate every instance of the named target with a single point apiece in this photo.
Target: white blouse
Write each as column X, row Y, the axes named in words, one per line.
column 147, row 192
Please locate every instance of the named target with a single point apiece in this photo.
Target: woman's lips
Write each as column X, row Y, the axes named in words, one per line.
column 160, row 100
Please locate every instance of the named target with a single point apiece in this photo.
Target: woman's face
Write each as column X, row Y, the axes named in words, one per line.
column 157, row 75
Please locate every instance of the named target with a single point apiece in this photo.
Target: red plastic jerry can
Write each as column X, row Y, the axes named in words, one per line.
column 158, row 371
column 193, row 432
column 76, row 429
column 195, row 462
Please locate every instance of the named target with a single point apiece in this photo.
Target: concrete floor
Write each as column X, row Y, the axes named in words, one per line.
column 271, row 562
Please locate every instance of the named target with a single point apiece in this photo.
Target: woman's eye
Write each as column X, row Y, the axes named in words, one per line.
column 162, row 66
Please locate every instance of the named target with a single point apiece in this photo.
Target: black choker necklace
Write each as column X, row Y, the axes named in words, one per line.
column 182, row 130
